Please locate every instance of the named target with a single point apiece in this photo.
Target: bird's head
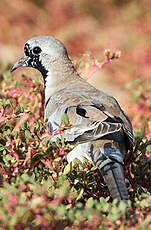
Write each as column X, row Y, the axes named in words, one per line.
column 40, row 52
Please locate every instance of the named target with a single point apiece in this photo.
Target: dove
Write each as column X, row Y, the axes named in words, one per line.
column 101, row 128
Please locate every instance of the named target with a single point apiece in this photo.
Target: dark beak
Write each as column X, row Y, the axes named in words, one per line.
column 22, row 62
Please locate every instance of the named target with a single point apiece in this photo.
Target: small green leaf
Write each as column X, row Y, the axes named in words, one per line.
column 62, row 141
column 36, row 202
column 36, row 80
column 58, row 142
column 27, row 134
column 64, row 118
column 24, row 125
column 7, row 158
column 1, row 148
column 148, row 219
column 139, row 133
column 148, row 148
column 68, row 168
column 90, row 202
column 8, row 132
column 80, row 194
column 7, row 76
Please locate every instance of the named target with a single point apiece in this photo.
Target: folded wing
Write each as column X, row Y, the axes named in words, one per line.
column 90, row 122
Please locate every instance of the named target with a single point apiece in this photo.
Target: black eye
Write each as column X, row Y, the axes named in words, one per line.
column 36, row 50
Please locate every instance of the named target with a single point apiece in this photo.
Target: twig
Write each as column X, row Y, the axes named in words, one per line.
column 109, row 56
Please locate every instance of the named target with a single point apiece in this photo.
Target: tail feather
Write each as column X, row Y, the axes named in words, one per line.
column 113, row 175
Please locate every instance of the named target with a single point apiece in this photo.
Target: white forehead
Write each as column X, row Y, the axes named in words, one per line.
column 48, row 44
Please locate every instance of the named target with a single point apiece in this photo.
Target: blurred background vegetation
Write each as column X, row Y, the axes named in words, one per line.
column 85, row 26
column 27, row 157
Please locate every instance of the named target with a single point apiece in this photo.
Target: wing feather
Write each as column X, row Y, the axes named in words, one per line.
column 93, row 115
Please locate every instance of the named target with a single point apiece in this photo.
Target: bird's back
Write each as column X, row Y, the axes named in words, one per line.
column 98, row 105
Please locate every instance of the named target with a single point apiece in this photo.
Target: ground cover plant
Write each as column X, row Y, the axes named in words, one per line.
column 39, row 190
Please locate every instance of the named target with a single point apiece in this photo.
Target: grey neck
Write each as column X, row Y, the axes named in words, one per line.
column 58, row 73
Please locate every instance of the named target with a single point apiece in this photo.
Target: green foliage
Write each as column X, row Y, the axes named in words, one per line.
column 39, row 190
column 64, row 118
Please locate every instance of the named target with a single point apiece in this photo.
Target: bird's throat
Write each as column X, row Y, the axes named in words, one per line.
column 51, row 83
